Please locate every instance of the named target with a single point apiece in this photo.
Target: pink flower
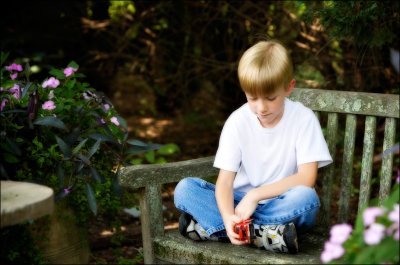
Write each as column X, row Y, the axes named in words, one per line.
column 14, row 67
column 3, row 104
column 394, row 215
column 331, row 251
column 106, row 107
column 371, row 213
column 16, row 91
column 13, row 76
column 374, row 234
column 69, row 71
column 49, row 105
column 51, row 82
column 115, row 121
column 340, row 233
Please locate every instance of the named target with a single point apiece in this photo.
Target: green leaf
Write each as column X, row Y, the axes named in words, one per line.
column 57, row 73
column 137, row 143
column 102, row 137
column 7, row 83
column 91, row 198
column 84, row 159
column 122, row 122
column 12, row 147
column 94, row 148
column 65, row 149
column 139, row 147
column 168, row 149
column 3, row 57
column 26, row 89
column 150, row 157
column 79, row 146
column 50, row 121
column 73, row 64
column 70, row 84
column 96, row 175
column 60, row 175
column 9, row 158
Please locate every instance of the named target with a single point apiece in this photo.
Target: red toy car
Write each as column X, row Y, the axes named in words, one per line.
column 244, row 230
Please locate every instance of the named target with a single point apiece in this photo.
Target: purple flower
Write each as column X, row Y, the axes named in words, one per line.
column 69, row 71
column 85, row 96
column 374, row 234
column 371, row 213
column 106, row 107
column 115, row 121
column 16, row 91
column 51, row 82
column 13, row 76
column 340, row 233
column 49, row 105
column 14, row 67
column 3, row 104
column 331, row 251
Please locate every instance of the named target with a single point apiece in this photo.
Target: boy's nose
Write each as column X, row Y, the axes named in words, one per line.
column 262, row 106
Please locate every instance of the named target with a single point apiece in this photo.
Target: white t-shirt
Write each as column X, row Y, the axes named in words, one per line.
column 261, row 155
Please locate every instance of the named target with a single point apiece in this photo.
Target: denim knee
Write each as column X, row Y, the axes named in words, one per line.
column 183, row 188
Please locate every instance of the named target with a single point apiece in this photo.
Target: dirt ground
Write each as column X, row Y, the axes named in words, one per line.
column 105, row 250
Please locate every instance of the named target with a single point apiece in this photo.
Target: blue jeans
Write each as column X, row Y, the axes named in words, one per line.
column 196, row 197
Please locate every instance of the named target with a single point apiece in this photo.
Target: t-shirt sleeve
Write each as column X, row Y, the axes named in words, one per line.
column 310, row 144
column 228, row 156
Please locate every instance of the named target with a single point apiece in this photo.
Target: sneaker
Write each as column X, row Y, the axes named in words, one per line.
column 277, row 238
column 189, row 228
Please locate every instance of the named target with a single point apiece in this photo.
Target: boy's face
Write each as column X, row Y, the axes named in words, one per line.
column 269, row 109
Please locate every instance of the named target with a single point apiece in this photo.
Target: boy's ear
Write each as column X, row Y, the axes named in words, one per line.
column 290, row 87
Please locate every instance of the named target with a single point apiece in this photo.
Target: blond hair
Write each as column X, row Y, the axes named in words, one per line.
column 264, row 68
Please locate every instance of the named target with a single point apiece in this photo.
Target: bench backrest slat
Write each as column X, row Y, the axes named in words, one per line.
column 367, row 161
column 387, row 159
column 328, row 172
column 347, row 167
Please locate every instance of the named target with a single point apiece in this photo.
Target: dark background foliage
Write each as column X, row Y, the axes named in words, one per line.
column 174, row 49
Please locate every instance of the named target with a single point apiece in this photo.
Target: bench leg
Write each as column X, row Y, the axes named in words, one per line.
column 151, row 219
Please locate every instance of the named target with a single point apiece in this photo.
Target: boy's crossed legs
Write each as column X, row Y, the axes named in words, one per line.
column 274, row 223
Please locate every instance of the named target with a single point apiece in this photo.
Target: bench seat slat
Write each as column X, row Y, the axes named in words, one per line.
column 174, row 248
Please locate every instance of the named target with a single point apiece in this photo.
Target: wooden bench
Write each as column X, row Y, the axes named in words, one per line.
column 376, row 114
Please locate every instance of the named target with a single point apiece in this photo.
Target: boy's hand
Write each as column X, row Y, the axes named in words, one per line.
column 246, row 207
column 229, row 228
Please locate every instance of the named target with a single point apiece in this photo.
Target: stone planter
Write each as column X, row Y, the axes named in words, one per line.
column 60, row 239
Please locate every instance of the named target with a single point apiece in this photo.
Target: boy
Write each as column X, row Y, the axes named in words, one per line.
column 269, row 152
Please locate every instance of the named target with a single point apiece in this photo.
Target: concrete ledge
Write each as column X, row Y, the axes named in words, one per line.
column 174, row 248
column 22, row 201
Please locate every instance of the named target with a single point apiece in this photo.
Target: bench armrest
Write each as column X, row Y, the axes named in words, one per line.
column 133, row 177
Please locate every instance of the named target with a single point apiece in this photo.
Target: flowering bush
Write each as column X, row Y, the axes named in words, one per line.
column 61, row 132
column 375, row 239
